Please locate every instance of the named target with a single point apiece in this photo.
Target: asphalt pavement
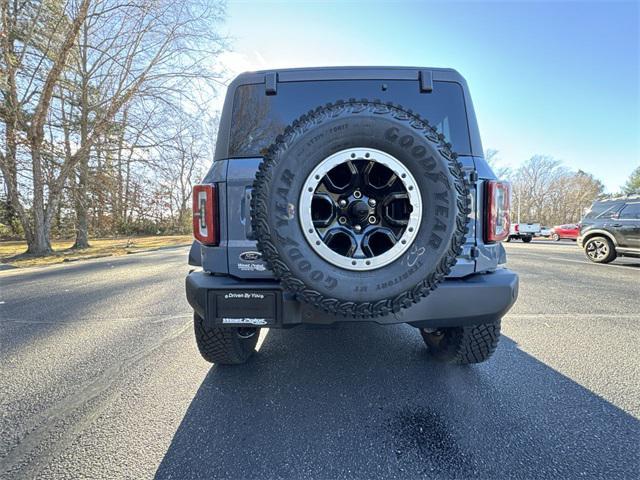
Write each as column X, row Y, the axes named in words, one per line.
column 100, row 378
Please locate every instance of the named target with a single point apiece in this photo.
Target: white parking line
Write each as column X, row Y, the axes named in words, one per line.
column 584, row 262
column 629, row 268
column 570, row 316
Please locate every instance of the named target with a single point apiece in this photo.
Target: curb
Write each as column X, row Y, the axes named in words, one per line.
column 159, row 248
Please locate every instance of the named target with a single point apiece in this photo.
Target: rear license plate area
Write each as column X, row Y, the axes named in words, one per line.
column 246, row 308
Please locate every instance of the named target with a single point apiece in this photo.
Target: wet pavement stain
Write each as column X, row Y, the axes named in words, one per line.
column 424, row 442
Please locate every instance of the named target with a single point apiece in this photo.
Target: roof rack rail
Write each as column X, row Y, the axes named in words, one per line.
column 617, row 198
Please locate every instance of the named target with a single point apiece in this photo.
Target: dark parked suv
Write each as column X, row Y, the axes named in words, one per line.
column 350, row 195
column 611, row 228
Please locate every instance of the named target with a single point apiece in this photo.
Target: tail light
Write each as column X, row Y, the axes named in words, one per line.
column 497, row 211
column 205, row 214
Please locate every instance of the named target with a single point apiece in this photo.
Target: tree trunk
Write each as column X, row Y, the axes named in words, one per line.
column 81, row 200
column 40, row 243
column 10, row 174
column 82, row 221
column 117, row 204
column 8, row 163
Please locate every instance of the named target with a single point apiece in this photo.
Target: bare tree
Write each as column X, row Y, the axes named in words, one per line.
column 182, row 164
column 545, row 191
column 32, row 64
column 96, row 58
column 493, row 159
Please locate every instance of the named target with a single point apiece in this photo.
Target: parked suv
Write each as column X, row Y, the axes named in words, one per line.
column 611, row 228
column 350, row 195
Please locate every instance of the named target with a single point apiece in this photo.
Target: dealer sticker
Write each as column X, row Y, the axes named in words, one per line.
column 245, row 295
column 251, row 267
column 245, row 321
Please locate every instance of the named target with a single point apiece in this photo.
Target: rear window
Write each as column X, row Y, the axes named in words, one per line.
column 631, row 211
column 602, row 210
column 257, row 118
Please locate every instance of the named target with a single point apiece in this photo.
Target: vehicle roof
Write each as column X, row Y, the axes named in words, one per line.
column 619, row 199
column 425, row 76
column 351, row 72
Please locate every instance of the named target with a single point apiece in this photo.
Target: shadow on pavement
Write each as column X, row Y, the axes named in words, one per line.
column 630, row 265
column 364, row 401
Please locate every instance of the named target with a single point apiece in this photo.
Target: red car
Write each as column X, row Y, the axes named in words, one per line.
column 570, row 231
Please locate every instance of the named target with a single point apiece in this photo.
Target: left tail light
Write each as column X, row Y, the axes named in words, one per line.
column 205, row 214
column 497, row 221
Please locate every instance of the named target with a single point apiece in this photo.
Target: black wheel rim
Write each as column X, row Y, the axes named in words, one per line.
column 364, row 209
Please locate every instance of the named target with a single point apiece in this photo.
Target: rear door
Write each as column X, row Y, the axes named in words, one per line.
column 627, row 226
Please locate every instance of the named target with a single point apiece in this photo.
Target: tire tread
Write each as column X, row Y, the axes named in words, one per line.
column 468, row 345
column 221, row 345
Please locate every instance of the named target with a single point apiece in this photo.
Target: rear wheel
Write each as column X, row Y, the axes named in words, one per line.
column 225, row 346
column 526, row 239
column 462, row 345
column 555, row 237
column 600, row 250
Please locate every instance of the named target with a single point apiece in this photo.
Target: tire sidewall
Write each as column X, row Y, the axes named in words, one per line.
column 438, row 187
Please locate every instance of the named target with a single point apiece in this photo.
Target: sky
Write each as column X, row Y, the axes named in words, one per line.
column 552, row 78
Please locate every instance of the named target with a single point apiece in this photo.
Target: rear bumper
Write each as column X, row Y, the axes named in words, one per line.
column 224, row 300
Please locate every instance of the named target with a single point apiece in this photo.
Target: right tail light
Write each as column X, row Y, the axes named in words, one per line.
column 497, row 221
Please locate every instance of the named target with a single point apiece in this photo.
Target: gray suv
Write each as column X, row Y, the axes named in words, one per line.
column 350, row 195
column 611, row 228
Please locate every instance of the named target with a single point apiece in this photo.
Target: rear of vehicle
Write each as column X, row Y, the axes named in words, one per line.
column 545, row 231
column 611, row 228
column 293, row 231
column 523, row 231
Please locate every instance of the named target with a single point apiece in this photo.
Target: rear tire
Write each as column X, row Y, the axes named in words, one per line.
column 463, row 345
column 526, row 239
column 224, row 345
column 555, row 237
column 600, row 250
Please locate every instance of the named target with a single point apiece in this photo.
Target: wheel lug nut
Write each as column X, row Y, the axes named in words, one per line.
column 342, row 203
column 342, row 220
column 372, row 202
column 372, row 219
column 357, row 194
column 357, row 228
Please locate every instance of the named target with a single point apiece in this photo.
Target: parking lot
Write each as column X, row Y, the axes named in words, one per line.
column 100, row 377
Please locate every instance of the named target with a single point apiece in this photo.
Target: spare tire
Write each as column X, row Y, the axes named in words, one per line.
column 360, row 208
